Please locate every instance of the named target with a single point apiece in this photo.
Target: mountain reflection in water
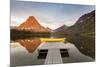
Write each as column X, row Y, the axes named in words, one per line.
column 30, row 44
column 25, row 52
column 85, row 44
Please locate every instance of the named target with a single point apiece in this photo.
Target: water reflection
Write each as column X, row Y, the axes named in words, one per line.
column 25, row 52
column 85, row 45
column 30, row 44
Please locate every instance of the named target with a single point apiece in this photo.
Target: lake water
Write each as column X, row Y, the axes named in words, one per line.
column 24, row 52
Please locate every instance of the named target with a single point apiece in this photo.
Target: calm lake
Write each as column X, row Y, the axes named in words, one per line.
column 24, row 52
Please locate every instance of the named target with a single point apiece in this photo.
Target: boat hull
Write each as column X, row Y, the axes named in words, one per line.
column 52, row 39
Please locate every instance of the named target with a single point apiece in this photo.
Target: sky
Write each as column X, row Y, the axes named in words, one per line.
column 52, row 15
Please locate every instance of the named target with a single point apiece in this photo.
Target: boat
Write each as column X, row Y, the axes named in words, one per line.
column 52, row 39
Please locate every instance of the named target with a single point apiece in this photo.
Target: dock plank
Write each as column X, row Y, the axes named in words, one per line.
column 53, row 57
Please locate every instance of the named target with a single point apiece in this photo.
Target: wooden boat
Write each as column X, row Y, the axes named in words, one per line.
column 52, row 39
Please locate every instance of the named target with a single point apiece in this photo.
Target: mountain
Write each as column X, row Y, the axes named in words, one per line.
column 85, row 24
column 85, row 39
column 62, row 28
column 85, row 17
column 49, row 29
column 82, row 34
column 31, row 24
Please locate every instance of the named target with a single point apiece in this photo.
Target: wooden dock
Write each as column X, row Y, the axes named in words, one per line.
column 53, row 57
column 53, row 54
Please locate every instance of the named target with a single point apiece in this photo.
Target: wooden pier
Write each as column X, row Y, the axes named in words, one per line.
column 53, row 57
